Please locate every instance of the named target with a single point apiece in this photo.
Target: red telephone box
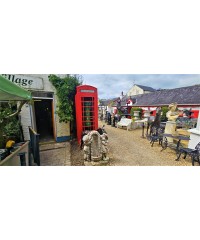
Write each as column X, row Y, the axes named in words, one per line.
column 86, row 101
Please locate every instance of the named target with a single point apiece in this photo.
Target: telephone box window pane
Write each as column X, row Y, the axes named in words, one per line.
column 87, row 112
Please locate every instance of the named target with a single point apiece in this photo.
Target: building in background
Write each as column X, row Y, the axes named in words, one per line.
column 139, row 89
column 185, row 97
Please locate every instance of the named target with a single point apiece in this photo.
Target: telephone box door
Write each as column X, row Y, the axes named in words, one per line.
column 86, row 109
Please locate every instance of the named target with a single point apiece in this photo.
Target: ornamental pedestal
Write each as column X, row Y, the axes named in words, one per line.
column 194, row 135
column 170, row 128
column 95, row 149
column 136, row 114
column 147, row 114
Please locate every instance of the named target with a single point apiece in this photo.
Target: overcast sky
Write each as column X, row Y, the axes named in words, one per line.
column 111, row 85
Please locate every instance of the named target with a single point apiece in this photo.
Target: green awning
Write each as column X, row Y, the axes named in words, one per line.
column 11, row 91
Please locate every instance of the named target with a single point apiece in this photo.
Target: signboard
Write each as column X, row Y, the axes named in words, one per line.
column 89, row 91
column 24, row 81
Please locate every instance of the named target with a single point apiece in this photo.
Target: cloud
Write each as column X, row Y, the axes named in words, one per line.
column 111, row 85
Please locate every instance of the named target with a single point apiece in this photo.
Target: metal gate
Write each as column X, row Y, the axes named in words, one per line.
column 34, row 146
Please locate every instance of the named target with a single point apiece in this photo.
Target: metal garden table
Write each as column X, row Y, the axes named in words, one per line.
column 175, row 146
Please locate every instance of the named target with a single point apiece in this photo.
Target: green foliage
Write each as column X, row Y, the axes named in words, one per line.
column 119, row 112
column 164, row 111
column 9, row 127
column 12, row 128
column 66, row 90
column 133, row 109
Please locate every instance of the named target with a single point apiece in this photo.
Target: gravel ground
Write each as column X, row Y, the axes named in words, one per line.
column 128, row 148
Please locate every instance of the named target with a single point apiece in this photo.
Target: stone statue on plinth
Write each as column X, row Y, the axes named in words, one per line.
column 95, row 147
column 172, row 114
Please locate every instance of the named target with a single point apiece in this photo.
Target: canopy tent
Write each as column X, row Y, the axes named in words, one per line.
column 11, row 91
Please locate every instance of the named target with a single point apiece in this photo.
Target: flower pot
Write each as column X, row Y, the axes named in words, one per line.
column 147, row 114
column 136, row 113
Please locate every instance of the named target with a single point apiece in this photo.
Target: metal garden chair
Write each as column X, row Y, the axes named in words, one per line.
column 194, row 153
column 156, row 135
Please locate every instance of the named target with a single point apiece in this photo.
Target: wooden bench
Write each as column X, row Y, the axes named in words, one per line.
column 125, row 122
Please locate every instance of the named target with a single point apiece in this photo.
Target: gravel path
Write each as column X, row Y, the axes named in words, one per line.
column 127, row 148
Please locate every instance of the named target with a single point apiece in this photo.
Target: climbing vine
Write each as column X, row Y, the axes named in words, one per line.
column 66, row 90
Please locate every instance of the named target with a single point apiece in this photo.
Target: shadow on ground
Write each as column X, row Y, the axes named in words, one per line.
column 76, row 154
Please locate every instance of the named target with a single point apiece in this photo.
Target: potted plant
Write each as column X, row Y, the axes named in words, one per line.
column 136, row 113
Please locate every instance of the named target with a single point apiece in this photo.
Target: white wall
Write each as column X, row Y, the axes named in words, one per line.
column 135, row 90
column 27, row 119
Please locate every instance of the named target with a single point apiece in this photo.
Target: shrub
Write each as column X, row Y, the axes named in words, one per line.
column 164, row 111
column 9, row 127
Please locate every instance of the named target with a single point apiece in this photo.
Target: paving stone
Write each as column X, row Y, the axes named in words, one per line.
column 55, row 154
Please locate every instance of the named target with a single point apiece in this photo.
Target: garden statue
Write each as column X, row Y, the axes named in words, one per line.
column 104, row 141
column 155, row 123
column 95, row 146
column 108, row 118
column 172, row 114
column 118, row 103
column 113, row 120
column 86, row 141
